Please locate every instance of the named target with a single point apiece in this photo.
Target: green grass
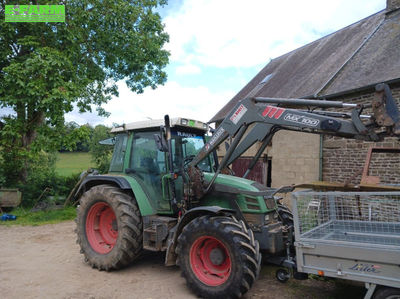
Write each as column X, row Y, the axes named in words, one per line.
column 71, row 163
column 25, row 217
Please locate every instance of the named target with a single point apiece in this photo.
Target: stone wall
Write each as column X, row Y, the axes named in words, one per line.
column 343, row 158
column 294, row 155
column 295, row 158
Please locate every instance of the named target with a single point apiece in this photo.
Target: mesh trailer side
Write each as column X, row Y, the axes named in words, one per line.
column 361, row 217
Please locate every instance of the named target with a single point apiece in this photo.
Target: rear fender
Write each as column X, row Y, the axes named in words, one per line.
column 126, row 183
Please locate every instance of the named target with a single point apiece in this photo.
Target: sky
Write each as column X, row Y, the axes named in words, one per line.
column 218, row 46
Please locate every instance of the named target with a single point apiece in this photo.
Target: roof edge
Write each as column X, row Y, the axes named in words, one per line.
column 354, row 90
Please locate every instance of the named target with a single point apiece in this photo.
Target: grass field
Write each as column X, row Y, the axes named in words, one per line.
column 70, row 163
column 25, row 217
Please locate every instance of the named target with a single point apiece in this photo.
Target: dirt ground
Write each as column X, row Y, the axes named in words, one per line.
column 44, row 262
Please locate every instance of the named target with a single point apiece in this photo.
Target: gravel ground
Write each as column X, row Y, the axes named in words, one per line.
column 44, row 262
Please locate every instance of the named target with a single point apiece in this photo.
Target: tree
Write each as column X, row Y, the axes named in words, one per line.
column 48, row 68
column 75, row 137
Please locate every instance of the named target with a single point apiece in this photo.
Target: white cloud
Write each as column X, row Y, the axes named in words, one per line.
column 187, row 69
column 228, row 33
column 84, row 118
column 178, row 101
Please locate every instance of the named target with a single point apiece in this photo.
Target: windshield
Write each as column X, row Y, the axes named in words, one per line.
column 188, row 145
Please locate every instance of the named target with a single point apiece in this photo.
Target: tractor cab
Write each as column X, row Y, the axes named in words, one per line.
column 139, row 153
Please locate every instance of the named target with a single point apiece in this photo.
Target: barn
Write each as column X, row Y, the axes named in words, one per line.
column 343, row 66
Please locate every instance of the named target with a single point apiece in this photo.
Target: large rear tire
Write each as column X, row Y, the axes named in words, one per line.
column 109, row 228
column 219, row 257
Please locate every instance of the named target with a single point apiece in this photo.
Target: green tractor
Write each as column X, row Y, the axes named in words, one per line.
column 148, row 201
column 165, row 191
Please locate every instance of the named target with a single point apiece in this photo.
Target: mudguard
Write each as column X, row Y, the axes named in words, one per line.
column 124, row 183
column 170, row 257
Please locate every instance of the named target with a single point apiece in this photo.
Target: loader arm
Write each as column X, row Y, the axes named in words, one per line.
column 261, row 118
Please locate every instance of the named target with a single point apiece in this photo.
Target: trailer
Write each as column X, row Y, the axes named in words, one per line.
column 350, row 235
column 9, row 198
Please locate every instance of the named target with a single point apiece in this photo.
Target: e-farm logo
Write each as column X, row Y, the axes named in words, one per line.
column 35, row 13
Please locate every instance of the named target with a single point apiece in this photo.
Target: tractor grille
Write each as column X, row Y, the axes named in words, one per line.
column 252, row 203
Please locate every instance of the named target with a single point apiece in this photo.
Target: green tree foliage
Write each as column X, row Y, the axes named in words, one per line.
column 47, row 69
column 75, row 137
column 101, row 154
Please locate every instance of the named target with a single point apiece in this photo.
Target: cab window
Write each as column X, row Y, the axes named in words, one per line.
column 117, row 161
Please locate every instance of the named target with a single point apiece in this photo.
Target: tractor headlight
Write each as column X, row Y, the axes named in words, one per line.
column 184, row 122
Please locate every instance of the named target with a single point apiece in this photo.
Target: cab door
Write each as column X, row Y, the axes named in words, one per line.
column 148, row 165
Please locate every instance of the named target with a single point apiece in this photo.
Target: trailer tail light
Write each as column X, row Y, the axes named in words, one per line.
column 321, row 273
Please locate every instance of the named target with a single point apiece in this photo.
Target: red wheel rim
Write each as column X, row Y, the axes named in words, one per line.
column 210, row 261
column 101, row 227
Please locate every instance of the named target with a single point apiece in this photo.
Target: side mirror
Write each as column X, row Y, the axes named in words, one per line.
column 109, row 141
column 161, row 143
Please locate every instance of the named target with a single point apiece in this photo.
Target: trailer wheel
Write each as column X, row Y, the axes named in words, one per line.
column 109, row 228
column 387, row 293
column 282, row 275
column 219, row 257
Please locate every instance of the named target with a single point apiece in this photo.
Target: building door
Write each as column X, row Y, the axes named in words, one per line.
column 260, row 173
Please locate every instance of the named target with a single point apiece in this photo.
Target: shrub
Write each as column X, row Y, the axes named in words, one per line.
column 2, row 177
column 42, row 175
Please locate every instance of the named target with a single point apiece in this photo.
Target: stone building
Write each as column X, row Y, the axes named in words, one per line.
column 343, row 66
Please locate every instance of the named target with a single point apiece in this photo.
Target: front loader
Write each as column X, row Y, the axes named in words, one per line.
column 165, row 192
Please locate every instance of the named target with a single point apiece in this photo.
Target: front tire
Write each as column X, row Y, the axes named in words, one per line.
column 109, row 228
column 219, row 257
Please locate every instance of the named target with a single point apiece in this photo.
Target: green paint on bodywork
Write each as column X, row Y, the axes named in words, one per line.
column 143, row 201
column 254, row 204
column 247, row 203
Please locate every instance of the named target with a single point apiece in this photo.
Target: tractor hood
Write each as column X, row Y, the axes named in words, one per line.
column 235, row 182
column 250, row 196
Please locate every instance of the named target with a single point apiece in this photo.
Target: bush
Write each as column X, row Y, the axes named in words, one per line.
column 2, row 178
column 42, row 175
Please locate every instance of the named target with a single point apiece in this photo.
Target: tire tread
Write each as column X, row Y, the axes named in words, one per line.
column 130, row 237
column 240, row 238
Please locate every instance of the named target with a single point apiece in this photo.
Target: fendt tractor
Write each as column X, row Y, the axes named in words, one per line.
column 165, row 191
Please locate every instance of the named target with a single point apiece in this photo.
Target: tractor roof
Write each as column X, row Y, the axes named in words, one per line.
column 156, row 123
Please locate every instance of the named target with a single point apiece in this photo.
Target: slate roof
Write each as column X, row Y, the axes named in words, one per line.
column 362, row 54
